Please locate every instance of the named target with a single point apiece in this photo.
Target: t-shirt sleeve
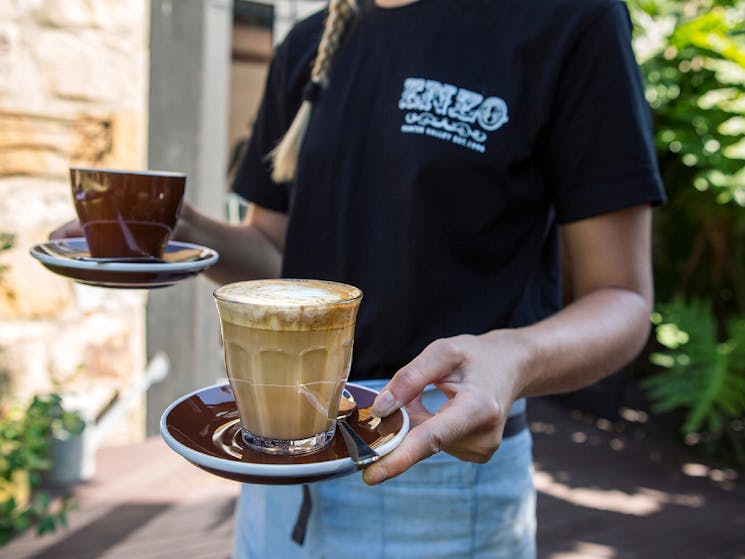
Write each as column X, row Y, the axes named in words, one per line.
column 252, row 178
column 599, row 155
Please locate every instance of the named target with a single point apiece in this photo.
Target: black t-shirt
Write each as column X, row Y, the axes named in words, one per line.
column 453, row 138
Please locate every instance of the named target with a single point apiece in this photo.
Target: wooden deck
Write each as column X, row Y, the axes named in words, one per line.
column 606, row 491
column 619, row 490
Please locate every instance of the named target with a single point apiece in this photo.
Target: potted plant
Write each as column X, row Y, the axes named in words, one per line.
column 27, row 431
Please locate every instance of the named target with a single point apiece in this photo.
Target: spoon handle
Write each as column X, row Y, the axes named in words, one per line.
column 121, row 259
column 360, row 453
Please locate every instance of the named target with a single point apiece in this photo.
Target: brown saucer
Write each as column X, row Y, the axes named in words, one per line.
column 71, row 258
column 203, row 428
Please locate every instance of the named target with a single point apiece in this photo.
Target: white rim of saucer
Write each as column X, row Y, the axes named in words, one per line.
column 325, row 468
column 210, row 258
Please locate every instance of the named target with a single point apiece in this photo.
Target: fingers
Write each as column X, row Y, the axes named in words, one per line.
column 438, row 361
column 477, row 448
column 418, row 413
column 187, row 211
column 465, row 424
column 421, row 442
column 467, row 427
column 69, row 229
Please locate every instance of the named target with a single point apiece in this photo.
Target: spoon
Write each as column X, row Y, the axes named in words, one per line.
column 61, row 249
column 359, row 451
column 121, row 259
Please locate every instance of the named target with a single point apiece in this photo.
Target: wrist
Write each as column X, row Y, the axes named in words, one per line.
column 527, row 360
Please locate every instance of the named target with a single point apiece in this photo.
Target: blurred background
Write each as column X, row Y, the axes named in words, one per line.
column 174, row 85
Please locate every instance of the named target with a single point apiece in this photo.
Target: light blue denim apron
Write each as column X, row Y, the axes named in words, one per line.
column 440, row 508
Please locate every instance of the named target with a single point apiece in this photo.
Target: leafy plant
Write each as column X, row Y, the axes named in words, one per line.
column 692, row 57
column 695, row 84
column 6, row 242
column 25, row 436
column 700, row 374
column 26, row 432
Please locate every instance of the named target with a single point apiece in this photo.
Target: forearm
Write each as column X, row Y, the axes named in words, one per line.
column 589, row 339
column 245, row 252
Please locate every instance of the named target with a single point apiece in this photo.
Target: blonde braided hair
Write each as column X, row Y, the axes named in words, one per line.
column 285, row 156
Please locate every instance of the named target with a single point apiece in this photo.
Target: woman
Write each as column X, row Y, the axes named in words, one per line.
column 440, row 149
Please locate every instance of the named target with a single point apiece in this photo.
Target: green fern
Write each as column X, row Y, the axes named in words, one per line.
column 698, row 373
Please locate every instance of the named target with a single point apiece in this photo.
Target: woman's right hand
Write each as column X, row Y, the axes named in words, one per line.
column 69, row 229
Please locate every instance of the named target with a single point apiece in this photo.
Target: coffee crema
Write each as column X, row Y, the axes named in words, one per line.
column 288, row 351
column 289, row 304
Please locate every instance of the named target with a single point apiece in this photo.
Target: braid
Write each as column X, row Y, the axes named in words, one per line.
column 284, row 157
column 340, row 12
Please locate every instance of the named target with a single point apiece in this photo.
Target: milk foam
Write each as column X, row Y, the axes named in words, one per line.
column 286, row 293
column 288, row 304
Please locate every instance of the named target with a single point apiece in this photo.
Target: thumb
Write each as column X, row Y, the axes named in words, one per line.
column 69, row 229
column 438, row 360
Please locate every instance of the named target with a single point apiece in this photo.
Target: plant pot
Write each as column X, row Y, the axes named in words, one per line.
column 72, row 458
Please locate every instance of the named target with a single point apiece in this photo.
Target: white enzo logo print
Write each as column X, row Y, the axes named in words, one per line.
column 450, row 113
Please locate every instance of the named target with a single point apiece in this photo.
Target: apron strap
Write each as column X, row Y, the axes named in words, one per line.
column 303, row 515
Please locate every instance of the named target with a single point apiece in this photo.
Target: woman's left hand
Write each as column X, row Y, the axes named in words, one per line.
column 479, row 375
column 608, row 270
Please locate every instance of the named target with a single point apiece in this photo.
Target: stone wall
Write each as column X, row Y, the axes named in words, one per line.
column 73, row 91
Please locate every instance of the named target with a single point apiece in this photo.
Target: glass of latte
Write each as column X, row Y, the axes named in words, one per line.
column 288, row 350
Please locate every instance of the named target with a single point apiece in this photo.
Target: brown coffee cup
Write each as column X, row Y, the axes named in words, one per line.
column 127, row 214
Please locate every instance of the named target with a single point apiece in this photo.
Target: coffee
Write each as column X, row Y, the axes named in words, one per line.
column 288, row 350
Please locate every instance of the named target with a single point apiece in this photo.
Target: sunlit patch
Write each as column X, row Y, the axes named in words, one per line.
column 717, row 475
column 635, row 416
column 544, row 428
column 579, row 437
column 365, row 418
column 642, row 503
column 604, row 424
column 723, row 475
column 695, row 470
